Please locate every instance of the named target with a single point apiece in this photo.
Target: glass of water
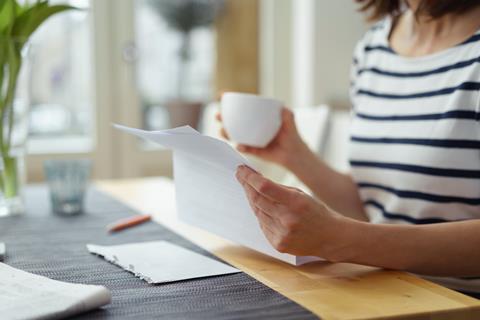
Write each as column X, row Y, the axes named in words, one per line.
column 67, row 181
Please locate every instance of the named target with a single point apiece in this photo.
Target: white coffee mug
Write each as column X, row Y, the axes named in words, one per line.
column 250, row 119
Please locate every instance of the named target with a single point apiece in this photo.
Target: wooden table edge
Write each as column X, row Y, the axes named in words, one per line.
column 470, row 310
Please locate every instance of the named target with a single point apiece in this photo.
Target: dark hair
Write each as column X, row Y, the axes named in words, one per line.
column 431, row 8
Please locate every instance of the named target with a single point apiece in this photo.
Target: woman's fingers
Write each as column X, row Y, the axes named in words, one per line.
column 224, row 134
column 270, row 226
column 288, row 116
column 257, row 200
column 251, row 150
column 269, row 234
column 265, row 186
column 266, row 219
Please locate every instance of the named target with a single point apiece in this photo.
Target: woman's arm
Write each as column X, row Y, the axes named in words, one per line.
column 337, row 190
column 296, row 223
column 443, row 249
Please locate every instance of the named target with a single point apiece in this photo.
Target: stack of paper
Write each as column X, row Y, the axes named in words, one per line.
column 207, row 193
column 27, row 296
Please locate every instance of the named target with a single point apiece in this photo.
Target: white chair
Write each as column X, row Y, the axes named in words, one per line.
column 313, row 124
column 332, row 145
column 335, row 152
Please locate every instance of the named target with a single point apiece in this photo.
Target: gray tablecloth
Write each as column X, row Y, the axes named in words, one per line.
column 54, row 246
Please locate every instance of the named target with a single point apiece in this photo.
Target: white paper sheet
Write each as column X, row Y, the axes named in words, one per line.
column 161, row 261
column 189, row 141
column 207, row 193
column 25, row 295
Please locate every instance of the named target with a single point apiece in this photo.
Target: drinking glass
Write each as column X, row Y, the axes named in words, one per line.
column 67, row 181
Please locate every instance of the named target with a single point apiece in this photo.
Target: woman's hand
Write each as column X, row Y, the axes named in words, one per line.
column 284, row 148
column 292, row 221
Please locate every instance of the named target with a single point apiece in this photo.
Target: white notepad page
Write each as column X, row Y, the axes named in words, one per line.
column 161, row 261
column 25, row 295
column 207, row 193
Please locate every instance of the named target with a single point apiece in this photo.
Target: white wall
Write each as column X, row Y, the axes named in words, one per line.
column 294, row 69
column 338, row 28
column 275, row 49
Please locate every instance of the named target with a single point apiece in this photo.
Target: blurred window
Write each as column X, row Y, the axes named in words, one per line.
column 61, row 83
column 162, row 77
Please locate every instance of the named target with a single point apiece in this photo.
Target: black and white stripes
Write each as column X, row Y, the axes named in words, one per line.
column 415, row 134
column 451, row 114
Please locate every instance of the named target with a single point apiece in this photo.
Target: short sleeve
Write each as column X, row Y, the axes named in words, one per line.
column 354, row 70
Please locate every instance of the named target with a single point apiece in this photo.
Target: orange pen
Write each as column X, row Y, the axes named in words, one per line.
column 128, row 222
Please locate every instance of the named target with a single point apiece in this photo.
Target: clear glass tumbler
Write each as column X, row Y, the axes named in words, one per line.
column 67, row 181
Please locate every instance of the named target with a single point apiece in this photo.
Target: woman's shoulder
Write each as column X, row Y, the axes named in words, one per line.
column 375, row 38
column 379, row 26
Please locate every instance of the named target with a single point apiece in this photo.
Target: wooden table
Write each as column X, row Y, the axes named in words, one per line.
column 332, row 291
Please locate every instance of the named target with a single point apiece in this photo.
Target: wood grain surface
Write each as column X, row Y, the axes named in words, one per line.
column 332, row 291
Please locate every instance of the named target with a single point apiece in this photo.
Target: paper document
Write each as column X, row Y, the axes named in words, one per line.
column 161, row 261
column 25, row 295
column 207, row 193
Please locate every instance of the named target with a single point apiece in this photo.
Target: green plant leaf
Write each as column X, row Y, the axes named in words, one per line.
column 14, row 64
column 17, row 23
column 3, row 3
column 31, row 18
column 7, row 17
column 20, row 8
column 3, row 49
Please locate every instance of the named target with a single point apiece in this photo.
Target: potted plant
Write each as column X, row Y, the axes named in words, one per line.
column 18, row 21
column 185, row 16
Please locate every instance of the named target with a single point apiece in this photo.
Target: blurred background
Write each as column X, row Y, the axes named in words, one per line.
column 158, row 64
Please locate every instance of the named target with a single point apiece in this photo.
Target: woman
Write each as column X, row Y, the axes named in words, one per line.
column 413, row 197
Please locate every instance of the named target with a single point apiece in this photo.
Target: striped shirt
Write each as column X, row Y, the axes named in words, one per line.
column 415, row 134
